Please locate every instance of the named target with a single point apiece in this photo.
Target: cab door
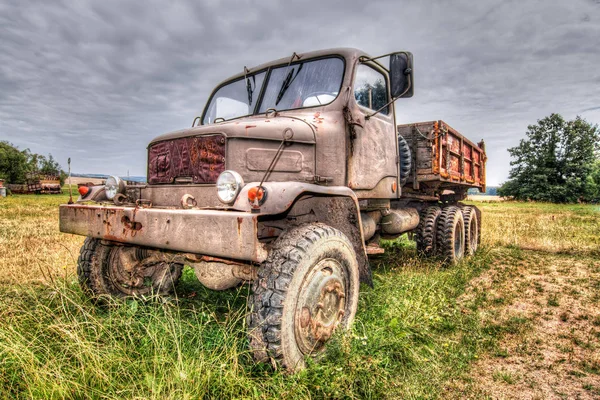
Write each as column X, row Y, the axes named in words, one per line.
column 372, row 153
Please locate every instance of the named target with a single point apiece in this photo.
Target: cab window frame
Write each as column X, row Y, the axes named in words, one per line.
column 386, row 111
column 268, row 70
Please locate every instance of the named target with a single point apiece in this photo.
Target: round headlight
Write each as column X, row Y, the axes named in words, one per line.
column 114, row 185
column 229, row 185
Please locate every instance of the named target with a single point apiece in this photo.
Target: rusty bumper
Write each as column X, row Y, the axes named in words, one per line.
column 227, row 234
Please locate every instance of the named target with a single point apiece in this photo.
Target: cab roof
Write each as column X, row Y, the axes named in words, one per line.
column 346, row 52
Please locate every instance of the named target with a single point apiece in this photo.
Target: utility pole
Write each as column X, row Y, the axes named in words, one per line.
column 70, row 191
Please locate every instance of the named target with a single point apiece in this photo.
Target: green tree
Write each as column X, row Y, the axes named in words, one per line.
column 593, row 183
column 554, row 163
column 13, row 163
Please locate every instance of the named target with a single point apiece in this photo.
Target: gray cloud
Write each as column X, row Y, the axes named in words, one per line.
column 95, row 81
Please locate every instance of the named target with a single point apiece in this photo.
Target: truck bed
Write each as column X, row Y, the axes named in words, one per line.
column 442, row 158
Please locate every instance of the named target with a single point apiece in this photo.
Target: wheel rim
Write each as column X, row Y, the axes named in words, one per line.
column 321, row 305
column 131, row 276
column 458, row 241
column 473, row 235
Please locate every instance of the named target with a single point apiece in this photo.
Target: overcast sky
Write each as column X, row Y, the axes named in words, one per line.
column 97, row 80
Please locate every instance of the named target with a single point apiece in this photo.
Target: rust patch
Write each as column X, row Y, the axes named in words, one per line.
column 239, row 225
column 201, row 157
column 221, row 260
column 317, row 118
column 249, row 127
column 129, row 224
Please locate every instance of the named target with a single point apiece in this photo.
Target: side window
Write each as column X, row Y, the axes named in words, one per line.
column 370, row 88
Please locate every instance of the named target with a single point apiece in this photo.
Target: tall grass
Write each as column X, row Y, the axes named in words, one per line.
column 411, row 336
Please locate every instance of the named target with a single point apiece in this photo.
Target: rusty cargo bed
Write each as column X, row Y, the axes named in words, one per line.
column 442, row 158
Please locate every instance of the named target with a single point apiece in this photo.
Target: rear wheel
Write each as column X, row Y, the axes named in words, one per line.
column 123, row 271
column 451, row 234
column 426, row 230
column 307, row 289
column 472, row 229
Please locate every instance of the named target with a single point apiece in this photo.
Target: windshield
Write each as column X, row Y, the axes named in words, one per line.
column 305, row 84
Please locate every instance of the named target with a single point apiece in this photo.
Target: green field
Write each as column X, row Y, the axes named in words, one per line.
column 422, row 331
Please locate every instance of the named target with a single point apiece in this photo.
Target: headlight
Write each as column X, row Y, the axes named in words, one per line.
column 229, row 185
column 114, row 185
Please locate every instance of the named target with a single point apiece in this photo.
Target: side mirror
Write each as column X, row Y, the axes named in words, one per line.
column 401, row 75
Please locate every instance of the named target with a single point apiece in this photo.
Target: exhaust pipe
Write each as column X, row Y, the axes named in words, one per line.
column 395, row 222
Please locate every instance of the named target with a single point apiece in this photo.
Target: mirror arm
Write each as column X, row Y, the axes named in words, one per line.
column 367, row 117
column 363, row 59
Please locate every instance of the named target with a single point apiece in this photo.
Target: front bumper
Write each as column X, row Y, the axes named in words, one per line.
column 228, row 234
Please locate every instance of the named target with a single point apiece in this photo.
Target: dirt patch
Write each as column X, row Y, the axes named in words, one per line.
column 75, row 180
column 546, row 307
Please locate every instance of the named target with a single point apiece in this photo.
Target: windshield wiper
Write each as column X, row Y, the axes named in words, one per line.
column 249, row 88
column 287, row 82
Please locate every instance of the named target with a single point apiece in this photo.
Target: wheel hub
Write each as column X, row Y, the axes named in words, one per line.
column 130, row 275
column 321, row 305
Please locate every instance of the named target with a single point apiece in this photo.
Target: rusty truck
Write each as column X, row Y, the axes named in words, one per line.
column 288, row 180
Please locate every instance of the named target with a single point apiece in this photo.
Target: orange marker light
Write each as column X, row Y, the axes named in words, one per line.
column 83, row 190
column 256, row 196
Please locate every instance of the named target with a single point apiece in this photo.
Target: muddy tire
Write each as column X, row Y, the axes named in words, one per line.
column 84, row 265
column 106, row 270
column 425, row 234
column 451, row 235
column 306, row 289
column 472, row 229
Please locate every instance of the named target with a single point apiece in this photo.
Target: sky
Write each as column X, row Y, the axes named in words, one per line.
column 97, row 80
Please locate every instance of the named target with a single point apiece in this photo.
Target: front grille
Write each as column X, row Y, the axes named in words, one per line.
column 201, row 158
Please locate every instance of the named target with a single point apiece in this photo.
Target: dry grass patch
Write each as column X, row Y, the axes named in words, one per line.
column 557, row 228
column 31, row 247
column 547, row 322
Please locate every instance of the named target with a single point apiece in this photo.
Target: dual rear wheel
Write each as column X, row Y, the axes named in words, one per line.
column 451, row 232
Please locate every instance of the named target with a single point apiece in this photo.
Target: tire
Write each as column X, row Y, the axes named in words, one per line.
column 405, row 159
column 425, row 233
column 114, row 271
column 84, row 265
column 306, row 289
column 451, row 235
column 472, row 229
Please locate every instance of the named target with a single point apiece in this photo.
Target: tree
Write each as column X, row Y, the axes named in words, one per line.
column 13, row 163
column 554, row 163
column 593, row 183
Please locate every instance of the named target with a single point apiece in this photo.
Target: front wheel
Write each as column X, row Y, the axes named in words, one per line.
column 307, row 289
column 123, row 271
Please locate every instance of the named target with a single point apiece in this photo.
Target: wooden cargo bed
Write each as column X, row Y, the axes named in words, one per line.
column 442, row 159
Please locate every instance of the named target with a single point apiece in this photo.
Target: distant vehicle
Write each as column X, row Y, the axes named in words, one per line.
column 43, row 184
column 288, row 180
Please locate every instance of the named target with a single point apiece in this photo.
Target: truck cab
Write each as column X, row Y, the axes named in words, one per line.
column 287, row 180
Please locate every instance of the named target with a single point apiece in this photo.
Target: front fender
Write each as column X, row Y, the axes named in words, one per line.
column 281, row 195
column 336, row 206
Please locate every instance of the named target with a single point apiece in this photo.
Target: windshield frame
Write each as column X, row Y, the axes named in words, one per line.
column 267, row 78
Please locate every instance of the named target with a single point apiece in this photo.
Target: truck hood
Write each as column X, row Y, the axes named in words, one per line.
column 256, row 127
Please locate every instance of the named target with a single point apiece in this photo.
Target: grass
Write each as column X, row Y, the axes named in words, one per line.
column 418, row 331
column 559, row 228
